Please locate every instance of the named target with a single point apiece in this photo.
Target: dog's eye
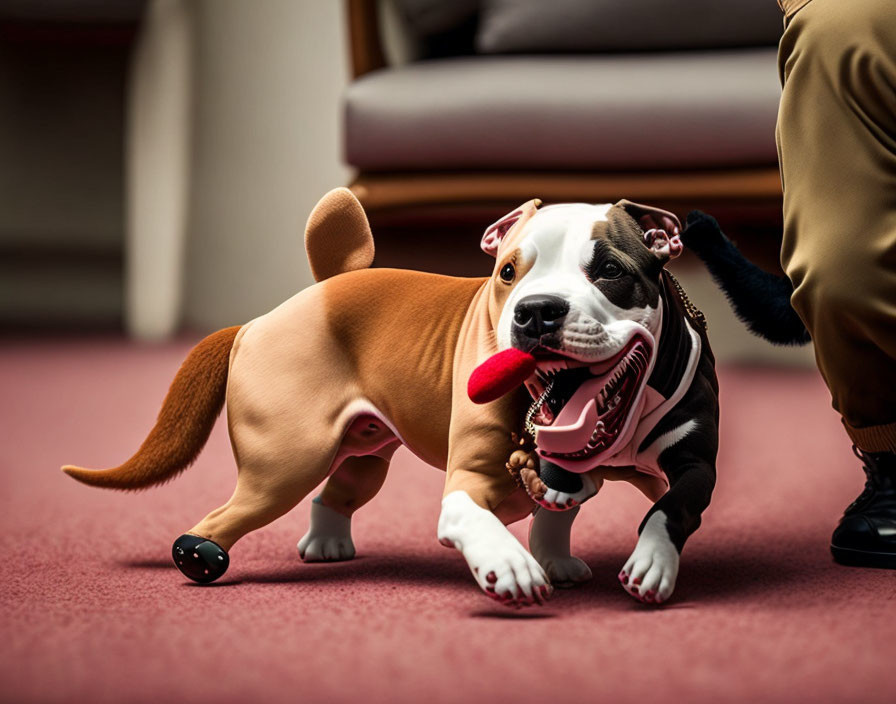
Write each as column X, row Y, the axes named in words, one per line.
column 610, row 270
column 508, row 273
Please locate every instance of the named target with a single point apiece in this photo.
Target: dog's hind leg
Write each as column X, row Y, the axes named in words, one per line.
column 270, row 483
column 329, row 537
column 549, row 544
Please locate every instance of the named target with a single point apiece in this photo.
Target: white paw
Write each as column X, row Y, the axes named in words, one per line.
column 649, row 574
column 325, row 548
column 549, row 543
column 329, row 539
column 502, row 567
column 566, row 572
column 508, row 573
column 554, row 500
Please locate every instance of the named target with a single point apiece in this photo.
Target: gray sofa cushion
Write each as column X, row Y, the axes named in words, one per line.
column 628, row 112
column 520, row 26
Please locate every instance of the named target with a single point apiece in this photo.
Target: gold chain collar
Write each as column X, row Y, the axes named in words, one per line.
column 694, row 313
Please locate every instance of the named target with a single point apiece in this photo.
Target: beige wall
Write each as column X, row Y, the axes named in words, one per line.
column 61, row 223
column 266, row 146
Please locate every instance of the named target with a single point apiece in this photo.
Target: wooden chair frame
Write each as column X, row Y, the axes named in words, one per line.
column 750, row 188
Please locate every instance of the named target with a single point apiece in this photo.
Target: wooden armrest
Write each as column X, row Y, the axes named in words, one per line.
column 364, row 37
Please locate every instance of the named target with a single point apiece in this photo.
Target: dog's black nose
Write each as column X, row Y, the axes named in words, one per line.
column 535, row 316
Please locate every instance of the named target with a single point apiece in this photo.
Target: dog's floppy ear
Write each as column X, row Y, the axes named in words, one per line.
column 497, row 231
column 662, row 229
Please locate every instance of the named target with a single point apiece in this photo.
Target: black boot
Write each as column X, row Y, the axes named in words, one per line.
column 866, row 536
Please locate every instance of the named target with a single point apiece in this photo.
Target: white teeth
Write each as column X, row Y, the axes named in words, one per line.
column 594, row 441
column 553, row 366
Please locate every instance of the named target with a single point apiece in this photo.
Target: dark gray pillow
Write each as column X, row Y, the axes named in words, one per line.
column 428, row 18
column 557, row 26
column 439, row 28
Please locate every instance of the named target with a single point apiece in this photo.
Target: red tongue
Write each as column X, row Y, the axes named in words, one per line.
column 500, row 374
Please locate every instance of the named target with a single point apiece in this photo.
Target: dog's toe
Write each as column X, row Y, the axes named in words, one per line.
column 566, row 572
column 512, row 578
column 649, row 574
column 329, row 539
column 554, row 500
column 325, row 548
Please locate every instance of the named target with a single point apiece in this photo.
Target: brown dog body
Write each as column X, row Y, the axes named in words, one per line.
column 329, row 384
column 326, row 377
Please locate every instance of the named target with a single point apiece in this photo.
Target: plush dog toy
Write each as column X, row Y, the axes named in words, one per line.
column 327, row 385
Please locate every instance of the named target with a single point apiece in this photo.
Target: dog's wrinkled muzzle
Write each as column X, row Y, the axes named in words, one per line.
column 593, row 405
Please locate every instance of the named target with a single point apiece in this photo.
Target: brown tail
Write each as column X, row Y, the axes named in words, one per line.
column 187, row 417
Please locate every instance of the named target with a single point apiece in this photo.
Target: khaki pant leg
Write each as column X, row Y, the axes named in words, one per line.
column 837, row 146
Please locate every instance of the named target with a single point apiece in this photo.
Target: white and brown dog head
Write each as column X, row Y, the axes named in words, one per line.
column 577, row 286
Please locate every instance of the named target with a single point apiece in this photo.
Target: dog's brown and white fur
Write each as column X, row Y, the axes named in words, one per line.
column 327, row 385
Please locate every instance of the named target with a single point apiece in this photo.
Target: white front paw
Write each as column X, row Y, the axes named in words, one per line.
column 649, row 574
column 507, row 572
column 329, row 539
column 549, row 543
column 566, row 571
column 502, row 567
column 555, row 500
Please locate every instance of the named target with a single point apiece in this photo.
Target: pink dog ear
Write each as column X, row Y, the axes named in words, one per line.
column 662, row 245
column 650, row 218
column 662, row 229
column 497, row 231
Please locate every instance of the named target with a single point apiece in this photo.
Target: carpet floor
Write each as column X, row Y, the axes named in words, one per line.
column 93, row 611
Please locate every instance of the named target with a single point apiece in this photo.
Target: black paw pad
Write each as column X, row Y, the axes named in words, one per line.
column 559, row 479
column 199, row 559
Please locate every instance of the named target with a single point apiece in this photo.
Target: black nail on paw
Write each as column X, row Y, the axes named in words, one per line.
column 199, row 559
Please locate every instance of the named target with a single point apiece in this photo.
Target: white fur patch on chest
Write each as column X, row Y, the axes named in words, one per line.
column 667, row 440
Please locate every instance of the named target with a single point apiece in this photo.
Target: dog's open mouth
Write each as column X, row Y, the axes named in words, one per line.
column 588, row 402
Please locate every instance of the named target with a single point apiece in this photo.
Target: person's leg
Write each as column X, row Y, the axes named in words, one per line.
column 837, row 147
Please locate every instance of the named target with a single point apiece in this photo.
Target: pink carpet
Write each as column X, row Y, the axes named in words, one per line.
column 93, row 611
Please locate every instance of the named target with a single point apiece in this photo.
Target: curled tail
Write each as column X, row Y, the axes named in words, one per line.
column 760, row 299
column 183, row 425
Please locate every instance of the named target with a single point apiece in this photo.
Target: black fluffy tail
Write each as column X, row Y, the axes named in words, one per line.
column 760, row 299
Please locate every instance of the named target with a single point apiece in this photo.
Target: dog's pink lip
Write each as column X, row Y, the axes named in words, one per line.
column 549, row 359
column 552, row 360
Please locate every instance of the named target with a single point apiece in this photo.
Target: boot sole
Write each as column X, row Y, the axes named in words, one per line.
column 863, row 558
